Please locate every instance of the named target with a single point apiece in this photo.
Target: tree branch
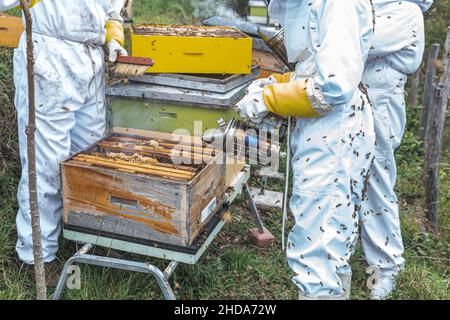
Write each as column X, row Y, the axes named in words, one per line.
column 41, row 289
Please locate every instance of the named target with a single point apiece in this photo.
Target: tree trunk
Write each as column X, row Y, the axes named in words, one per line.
column 127, row 11
column 41, row 290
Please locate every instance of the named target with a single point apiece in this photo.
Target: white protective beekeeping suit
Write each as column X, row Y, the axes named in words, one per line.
column 398, row 48
column 70, row 105
column 332, row 150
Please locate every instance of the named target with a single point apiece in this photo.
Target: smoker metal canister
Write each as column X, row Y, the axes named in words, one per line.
column 254, row 143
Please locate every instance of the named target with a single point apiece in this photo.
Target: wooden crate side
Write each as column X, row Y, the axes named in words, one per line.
column 206, row 190
column 122, row 203
column 11, row 29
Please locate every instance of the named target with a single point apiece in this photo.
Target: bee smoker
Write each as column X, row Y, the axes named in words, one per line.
column 254, row 143
column 276, row 43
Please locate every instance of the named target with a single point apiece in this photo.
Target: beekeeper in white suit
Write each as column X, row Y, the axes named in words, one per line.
column 334, row 140
column 69, row 37
column 397, row 50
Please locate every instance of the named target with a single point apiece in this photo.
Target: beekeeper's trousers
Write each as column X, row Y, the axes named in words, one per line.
column 70, row 115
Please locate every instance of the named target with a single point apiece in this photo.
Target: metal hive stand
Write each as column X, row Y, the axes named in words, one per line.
column 176, row 256
column 162, row 277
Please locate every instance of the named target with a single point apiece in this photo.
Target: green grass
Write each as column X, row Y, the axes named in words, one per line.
column 231, row 268
column 163, row 12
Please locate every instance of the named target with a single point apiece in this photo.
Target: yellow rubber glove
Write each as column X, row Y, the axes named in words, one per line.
column 289, row 99
column 282, row 78
column 114, row 31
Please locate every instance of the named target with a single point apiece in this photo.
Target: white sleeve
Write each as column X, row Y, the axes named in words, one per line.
column 115, row 9
column 345, row 30
column 8, row 4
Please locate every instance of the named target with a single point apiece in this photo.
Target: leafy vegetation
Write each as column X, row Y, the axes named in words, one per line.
column 232, row 268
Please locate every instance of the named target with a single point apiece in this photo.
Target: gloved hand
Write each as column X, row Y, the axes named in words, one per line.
column 274, row 78
column 252, row 106
column 114, row 49
column 115, row 40
column 261, row 83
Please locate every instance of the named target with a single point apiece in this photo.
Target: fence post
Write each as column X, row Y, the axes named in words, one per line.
column 427, row 99
column 415, row 82
column 435, row 127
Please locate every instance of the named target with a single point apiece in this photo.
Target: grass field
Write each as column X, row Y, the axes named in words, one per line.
column 232, row 268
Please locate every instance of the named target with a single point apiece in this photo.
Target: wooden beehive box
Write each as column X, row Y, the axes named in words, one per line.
column 193, row 49
column 126, row 187
column 11, row 29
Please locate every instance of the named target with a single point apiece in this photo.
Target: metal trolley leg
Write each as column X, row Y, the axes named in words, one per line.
column 82, row 256
column 253, row 209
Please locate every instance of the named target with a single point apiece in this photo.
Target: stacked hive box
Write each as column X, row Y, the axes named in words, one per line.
column 11, row 29
column 262, row 55
column 127, row 186
column 193, row 49
column 199, row 73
